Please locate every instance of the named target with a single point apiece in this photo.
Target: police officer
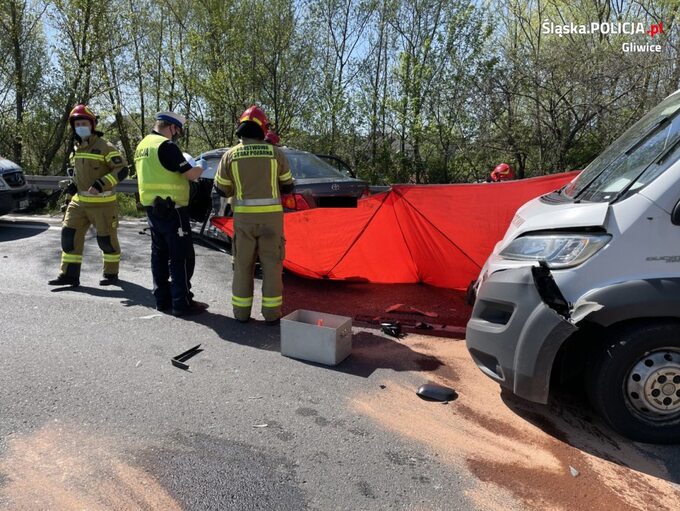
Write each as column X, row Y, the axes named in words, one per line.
column 252, row 172
column 98, row 168
column 163, row 174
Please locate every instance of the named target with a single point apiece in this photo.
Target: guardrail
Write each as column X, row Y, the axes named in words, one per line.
column 127, row 186
column 52, row 183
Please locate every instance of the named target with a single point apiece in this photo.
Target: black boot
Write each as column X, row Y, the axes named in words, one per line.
column 64, row 280
column 110, row 279
column 193, row 309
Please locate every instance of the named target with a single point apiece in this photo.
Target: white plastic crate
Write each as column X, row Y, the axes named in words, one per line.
column 303, row 338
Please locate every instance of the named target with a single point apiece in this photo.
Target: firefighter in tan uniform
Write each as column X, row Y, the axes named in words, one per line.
column 253, row 172
column 98, row 168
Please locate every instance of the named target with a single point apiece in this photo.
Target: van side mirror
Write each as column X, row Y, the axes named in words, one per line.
column 675, row 215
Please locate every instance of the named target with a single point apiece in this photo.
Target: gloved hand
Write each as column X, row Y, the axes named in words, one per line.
column 68, row 186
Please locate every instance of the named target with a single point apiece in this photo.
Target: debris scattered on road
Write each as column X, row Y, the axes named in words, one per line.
column 434, row 392
column 392, row 328
column 400, row 307
column 383, row 387
column 409, row 325
column 179, row 360
column 255, row 397
column 139, row 363
column 150, row 316
column 260, row 425
column 573, row 471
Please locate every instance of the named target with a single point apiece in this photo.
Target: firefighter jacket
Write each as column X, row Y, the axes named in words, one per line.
column 251, row 172
column 97, row 163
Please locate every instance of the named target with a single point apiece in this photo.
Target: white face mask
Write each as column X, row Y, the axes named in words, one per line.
column 83, row 132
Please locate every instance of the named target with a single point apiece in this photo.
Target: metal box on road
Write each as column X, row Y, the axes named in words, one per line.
column 316, row 337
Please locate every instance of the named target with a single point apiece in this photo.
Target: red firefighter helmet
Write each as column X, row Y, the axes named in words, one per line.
column 272, row 137
column 82, row 112
column 502, row 172
column 256, row 115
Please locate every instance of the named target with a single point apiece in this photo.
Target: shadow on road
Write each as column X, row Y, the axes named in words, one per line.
column 369, row 351
column 569, row 419
column 130, row 293
column 11, row 231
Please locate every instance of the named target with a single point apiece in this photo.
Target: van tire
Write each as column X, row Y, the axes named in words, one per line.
column 615, row 370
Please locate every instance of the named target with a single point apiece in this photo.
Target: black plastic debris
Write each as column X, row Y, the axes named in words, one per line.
column 434, row 392
column 392, row 328
column 179, row 360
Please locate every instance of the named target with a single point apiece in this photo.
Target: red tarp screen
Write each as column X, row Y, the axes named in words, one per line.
column 436, row 234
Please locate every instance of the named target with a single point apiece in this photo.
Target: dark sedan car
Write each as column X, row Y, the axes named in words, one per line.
column 318, row 184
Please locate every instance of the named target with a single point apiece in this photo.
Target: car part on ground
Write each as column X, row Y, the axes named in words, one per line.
column 434, row 392
column 179, row 360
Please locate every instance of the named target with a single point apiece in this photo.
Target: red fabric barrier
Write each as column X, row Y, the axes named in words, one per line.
column 436, row 234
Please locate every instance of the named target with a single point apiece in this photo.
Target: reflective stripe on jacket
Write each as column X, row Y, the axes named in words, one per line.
column 252, row 171
column 154, row 179
column 97, row 159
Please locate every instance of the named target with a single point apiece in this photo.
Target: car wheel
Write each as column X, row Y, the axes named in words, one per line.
column 635, row 382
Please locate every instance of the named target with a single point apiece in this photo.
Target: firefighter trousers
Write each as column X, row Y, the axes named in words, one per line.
column 77, row 220
column 261, row 237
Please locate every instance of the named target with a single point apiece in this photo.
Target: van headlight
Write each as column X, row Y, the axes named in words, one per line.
column 557, row 250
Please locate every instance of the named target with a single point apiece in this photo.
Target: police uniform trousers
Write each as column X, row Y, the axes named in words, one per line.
column 258, row 235
column 77, row 220
column 172, row 258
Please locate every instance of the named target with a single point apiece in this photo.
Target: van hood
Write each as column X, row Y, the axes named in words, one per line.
column 537, row 215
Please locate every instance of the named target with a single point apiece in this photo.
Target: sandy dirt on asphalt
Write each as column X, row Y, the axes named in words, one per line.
column 60, row 468
column 519, row 449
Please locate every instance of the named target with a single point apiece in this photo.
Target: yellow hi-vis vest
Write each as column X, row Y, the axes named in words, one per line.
column 153, row 179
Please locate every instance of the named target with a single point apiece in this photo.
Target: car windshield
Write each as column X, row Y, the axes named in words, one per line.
column 635, row 159
column 211, row 163
column 302, row 165
column 306, row 166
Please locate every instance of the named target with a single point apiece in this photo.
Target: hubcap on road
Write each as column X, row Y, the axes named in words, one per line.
column 653, row 384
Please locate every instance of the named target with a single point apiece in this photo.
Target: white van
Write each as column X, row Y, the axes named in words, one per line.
column 585, row 286
column 13, row 187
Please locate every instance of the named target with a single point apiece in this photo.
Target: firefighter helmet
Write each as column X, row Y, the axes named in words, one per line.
column 272, row 137
column 502, row 172
column 256, row 115
column 82, row 112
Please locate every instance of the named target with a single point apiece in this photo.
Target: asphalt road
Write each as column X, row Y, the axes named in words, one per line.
column 94, row 416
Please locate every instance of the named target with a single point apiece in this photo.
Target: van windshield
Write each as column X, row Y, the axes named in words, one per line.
column 644, row 152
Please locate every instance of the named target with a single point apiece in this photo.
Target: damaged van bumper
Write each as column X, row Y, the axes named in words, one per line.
column 519, row 321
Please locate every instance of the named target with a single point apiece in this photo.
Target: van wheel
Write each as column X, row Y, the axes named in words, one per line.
column 635, row 382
